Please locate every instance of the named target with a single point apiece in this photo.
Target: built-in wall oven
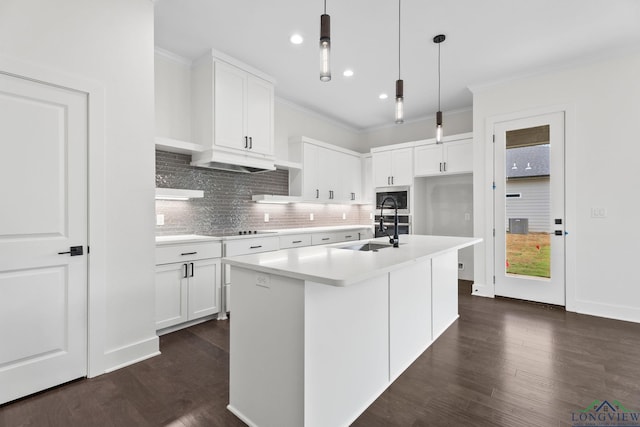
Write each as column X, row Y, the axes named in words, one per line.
column 404, row 224
column 401, row 194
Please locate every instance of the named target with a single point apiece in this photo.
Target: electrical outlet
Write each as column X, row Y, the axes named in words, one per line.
column 460, row 266
column 467, row 216
column 160, row 219
column 344, row 215
column 263, row 280
column 598, row 212
column 266, row 217
column 370, row 215
column 310, row 217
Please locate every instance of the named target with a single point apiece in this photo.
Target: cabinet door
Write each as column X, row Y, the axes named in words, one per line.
column 458, row 156
column 311, row 171
column 229, row 93
column 351, row 187
column 331, row 173
column 428, row 159
column 402, row 166
column 204, row 288
column 171, row 295
column 367, row 180
column 259, row 118
column 381, row 163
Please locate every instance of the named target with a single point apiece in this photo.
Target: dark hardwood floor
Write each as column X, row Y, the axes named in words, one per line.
column 503, row 363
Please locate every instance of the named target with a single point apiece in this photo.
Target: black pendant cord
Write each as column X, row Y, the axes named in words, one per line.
column 438, row 76
column 399, row 16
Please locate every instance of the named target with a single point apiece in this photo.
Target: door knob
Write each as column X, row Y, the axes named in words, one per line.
column 73, row 251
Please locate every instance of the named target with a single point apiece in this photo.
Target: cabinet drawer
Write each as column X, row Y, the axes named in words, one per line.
column 347, row 236
column 295, row 240
column 324, row 238
column 251, row 246
column 166, row 254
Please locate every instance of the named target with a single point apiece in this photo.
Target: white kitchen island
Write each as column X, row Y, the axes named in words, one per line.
column 318, row 333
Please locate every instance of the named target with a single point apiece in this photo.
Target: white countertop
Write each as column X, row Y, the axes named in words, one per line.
column 194, row 238
column 184, row 238
column 331, row 265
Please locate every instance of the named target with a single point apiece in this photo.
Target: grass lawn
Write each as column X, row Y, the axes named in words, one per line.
column 529, row 254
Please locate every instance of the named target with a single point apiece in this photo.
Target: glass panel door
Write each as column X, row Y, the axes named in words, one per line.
column 529, row 208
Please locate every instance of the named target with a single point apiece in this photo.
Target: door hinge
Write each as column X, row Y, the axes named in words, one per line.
column 493, row 186
column 494, row 232
column 494, row 280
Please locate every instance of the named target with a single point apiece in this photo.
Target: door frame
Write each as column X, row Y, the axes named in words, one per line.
column 570, row 208
column 96, row 197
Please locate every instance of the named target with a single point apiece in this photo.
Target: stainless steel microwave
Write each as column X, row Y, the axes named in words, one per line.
column 401, row 196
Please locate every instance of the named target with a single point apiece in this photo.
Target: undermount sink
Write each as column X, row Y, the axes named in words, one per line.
column 369, row 246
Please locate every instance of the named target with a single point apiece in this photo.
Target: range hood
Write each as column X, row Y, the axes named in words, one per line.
column 215, row 159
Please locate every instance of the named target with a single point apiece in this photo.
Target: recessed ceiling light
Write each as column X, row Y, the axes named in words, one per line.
column 348, row 73
column 383, row 96
column 296, row 39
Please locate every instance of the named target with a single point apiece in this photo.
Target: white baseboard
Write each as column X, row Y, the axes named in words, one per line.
column 481, row 290
column 132, row 353
column 628, row 314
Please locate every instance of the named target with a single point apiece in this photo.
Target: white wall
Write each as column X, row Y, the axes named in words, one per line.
column 291, row 120
column 110, row 42
column 445, row 204
column 602, row 128
column 454, row 123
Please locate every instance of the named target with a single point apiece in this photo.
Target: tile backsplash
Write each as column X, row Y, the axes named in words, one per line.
column 227, row 205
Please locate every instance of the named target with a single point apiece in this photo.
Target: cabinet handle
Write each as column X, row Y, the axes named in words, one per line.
column 440, row 166
column 348, row 237
column 326, row 238
column 388, row 180
column 250, row 143
column 246, row 142
column 255, row 247
column 392, row 180
column 186, row 273
column 297, row 241
column 188, row 253
column 331, row 194
column 317, row 193
column 191, row 270
column 353, row 196
column 445, row 166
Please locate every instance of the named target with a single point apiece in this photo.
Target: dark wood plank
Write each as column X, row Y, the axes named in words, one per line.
column 503, row 363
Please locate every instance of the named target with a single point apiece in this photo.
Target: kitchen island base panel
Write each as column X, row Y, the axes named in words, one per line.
column 309, row 354
column 267, row 343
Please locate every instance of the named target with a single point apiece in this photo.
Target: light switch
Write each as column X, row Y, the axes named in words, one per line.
column 160, row 219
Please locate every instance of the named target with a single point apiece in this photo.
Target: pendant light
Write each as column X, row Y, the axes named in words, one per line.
column 439, row 39
column 399, row 82
column 325, row 45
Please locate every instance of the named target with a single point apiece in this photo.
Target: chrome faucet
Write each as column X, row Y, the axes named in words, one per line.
column 393, row 240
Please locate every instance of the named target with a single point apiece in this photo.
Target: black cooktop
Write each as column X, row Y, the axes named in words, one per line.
column 244, row 233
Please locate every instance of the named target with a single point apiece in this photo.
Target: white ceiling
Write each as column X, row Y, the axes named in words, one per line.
column 487, row 40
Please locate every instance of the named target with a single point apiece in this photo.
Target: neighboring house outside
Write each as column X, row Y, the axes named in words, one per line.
column 527, row 187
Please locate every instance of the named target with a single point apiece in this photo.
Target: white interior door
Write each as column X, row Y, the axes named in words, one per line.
column 529, row 209
column 43, row 182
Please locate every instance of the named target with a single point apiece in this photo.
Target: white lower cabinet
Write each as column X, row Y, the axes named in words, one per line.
column 187, row 282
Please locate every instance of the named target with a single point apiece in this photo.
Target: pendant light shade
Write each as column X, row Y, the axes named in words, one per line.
column 438, row 40
column 325, row 46
column 399, row 82
column 399, row 101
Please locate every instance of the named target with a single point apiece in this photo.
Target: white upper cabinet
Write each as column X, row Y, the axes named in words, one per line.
column 232, row 111
column 243, row 110
column 392, row 167
column 451, row 157
column 330, row 174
